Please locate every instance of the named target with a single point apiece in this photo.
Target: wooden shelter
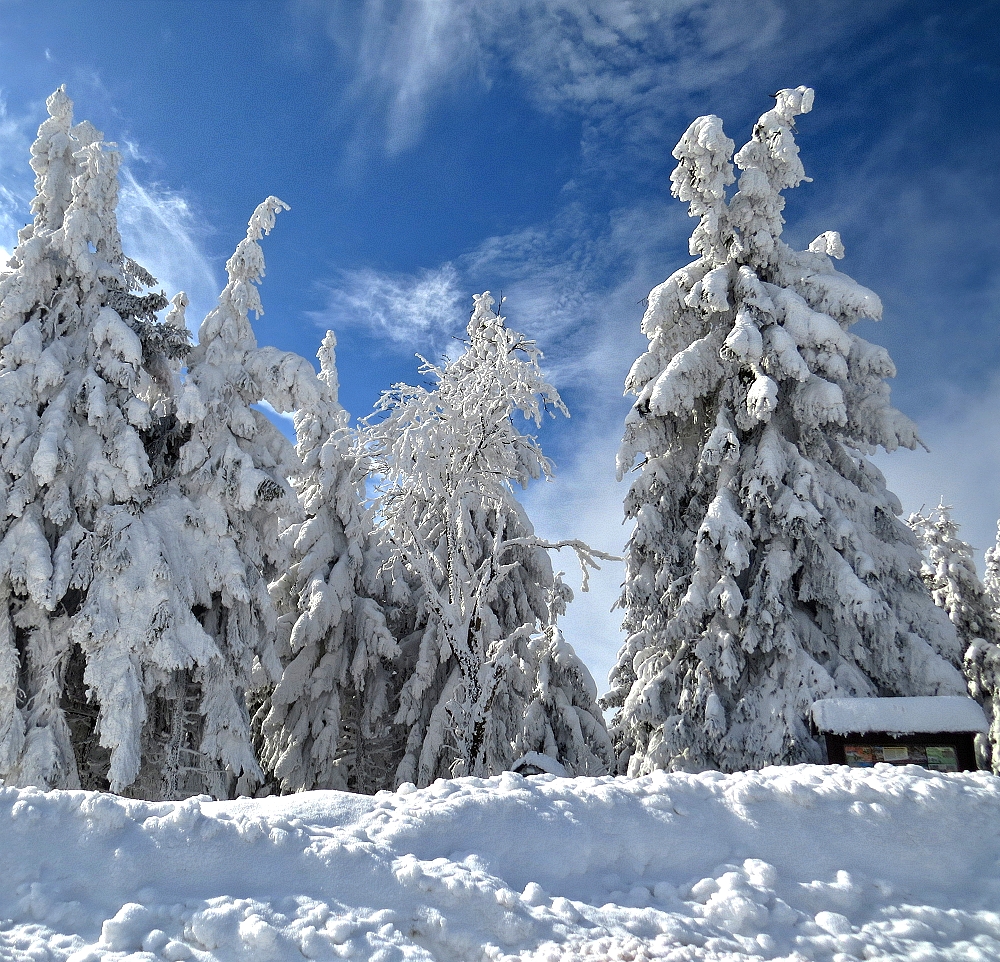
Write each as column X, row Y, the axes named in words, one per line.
column 937, row 732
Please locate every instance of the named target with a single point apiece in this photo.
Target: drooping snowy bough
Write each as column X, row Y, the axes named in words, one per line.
column 445, row 461
column 767, row 567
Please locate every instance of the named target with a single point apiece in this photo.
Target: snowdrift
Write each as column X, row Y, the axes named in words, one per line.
column 807, row 863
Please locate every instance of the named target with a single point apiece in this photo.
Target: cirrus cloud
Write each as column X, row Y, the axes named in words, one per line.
column 162, row 230
column 409, row 311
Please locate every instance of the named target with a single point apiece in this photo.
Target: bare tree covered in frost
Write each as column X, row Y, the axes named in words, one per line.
column 949, row 572
column 231, row 476
column 85, row 378
column 324, row 724
column 767, row 567
column 446, row 460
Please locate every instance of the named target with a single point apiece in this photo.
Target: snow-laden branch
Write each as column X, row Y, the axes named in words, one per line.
column 585, row 554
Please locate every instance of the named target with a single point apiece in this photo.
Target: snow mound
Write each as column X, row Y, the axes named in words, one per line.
column 806, row 862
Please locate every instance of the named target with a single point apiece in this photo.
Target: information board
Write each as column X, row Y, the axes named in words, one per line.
column 938, row 758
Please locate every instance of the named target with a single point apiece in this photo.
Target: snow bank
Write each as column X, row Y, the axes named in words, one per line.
column 807, row 863
column 938, row 713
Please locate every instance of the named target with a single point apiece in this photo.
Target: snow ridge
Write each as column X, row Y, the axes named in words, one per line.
column 804, row 862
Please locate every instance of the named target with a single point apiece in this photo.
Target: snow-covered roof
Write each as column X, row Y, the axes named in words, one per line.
column 544, row 763
column 936, row 713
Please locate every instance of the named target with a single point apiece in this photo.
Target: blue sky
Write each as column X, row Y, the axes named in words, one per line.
column 432, row 149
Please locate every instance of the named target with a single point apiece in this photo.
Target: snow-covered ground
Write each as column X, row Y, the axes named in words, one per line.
column 789, row 863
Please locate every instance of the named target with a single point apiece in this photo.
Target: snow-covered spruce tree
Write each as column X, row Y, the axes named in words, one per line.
column 324, row 724
column 563, row 722
column 949, row 572
column 767, row 567
column 950, row 575
column 982, row 663
column 991, row 579
column 446, row 460
column 231, row 470
column 85, row 376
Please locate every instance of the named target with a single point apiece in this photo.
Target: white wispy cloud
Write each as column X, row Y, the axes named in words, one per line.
column 573, row 285
column 622, row 66
column 17, row 177
column 425, row 48
column 622, row 63
column 15, row 138
column 162, row 230
column 420, row 311
column 403, row 55
column 14, row 212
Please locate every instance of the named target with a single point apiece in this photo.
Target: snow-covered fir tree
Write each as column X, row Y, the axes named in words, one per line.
column 86, row 370
column 982, row 669
column 950, row 575
column 325, row 723
column 949, row 572
column 231, row 473
column 446, row 460
column 982, row 662
column 563, row 723
column 991, row 579
column 767, row 566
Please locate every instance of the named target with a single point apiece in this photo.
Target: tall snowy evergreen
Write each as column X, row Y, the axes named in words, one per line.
column 325, row 723
column 446, row 460
column 85, row 378
column 767, row 567
column 949, row 572
column 950, row 575
column 991, row 579
column 982, row 659
column 232, row 471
